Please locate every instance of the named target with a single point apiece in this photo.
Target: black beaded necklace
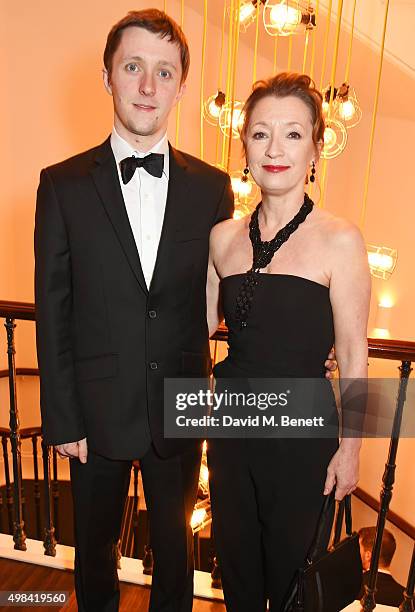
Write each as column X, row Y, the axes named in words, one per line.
column 263, row 252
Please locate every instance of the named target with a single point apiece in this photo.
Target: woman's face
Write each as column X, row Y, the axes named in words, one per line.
column 279, row 144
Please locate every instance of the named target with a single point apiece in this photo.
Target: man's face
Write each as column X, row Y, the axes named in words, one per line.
column 145, row 86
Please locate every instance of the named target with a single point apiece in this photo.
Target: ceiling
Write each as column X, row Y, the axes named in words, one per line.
column 369, row 21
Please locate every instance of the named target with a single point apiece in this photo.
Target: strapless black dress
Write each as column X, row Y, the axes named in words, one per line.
column 267, row 493
column 289, row 328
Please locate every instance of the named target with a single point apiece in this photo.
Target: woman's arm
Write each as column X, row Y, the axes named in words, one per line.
column 350, row 299
column 214, row 307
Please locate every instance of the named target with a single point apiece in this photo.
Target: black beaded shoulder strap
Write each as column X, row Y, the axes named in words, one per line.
column 263, row 252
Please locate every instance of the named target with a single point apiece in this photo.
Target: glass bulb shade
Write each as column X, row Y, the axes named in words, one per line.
column 329, row 137
column 238, row 214
column 382, row 261
column 379, row 332
column 240, row 187
column 214, row 109
column 211, row 110
column 335, row 139
column 386, row 301
column 347, row 108
column 198, row 516
column 245, row 192
column 246, row 16
column 227, row 116
column 204, row 473
column 246, row 11
column 285, row 17
column 325, row 108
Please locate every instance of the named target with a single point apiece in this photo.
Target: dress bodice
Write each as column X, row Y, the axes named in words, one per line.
column 289, row 329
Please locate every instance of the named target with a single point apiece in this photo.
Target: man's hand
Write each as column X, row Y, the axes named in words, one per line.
column 74, row 450
column 330, row 364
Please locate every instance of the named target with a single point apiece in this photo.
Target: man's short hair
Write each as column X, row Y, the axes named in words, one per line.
column 388, row 546
column 154, row 21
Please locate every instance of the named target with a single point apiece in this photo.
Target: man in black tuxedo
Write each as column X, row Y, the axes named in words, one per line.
column 121, row 244
column 388, row 591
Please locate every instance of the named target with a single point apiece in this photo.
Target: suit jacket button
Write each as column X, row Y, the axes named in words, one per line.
column 152, row 314
column 153, row 365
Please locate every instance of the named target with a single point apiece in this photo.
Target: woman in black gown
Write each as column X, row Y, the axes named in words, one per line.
column 307, row 289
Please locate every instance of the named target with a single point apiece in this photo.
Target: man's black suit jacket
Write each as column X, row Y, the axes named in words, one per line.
column 105, row 342
column 388, row 591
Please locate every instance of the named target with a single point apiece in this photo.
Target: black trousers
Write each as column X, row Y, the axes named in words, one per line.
column 99, row 490
column 266, row 499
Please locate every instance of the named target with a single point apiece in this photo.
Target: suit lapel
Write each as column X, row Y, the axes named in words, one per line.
column 106, row 180
column 174, row 214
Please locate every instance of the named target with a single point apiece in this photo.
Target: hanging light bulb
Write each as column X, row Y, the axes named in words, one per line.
column 234, row 115
column 347, row 107
column 212, row 107
column 382, row 261
column 244, row 188
column 201, row 516
column 335, row 139
column 238, row 214
column 326, row 100
column 247, row 13
column 198, row 517
column 204, row 474
column 240, row 188
column 286, row 17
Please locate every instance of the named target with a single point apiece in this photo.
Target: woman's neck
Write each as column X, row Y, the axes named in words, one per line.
column 277, row 210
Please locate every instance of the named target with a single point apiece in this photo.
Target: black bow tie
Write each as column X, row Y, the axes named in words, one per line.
column 153, row 163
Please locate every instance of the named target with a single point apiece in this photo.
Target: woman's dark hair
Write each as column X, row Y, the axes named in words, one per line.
column 282, row 85
column 154, row 21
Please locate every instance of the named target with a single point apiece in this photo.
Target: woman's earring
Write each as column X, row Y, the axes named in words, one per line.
column 313, row 172
column 244, row 177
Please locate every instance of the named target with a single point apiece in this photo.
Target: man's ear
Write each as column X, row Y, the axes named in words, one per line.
column 106, row 79
column 367, row 557
column 181, row 92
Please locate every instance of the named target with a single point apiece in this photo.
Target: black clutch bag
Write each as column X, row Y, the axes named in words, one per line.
column 330, row 579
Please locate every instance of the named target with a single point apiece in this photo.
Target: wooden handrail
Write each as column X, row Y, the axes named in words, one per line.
column 17, row 310
column 25, row 432
column 21, row 372
column 392, row 517
column 399, row 350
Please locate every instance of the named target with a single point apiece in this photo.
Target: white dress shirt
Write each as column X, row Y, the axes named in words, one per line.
column 145, row 200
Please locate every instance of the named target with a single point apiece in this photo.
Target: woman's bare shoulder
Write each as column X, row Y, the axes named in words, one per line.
column 337, row 230
column 223, row 232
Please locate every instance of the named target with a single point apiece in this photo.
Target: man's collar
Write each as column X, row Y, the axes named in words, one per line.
column 121, row 149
